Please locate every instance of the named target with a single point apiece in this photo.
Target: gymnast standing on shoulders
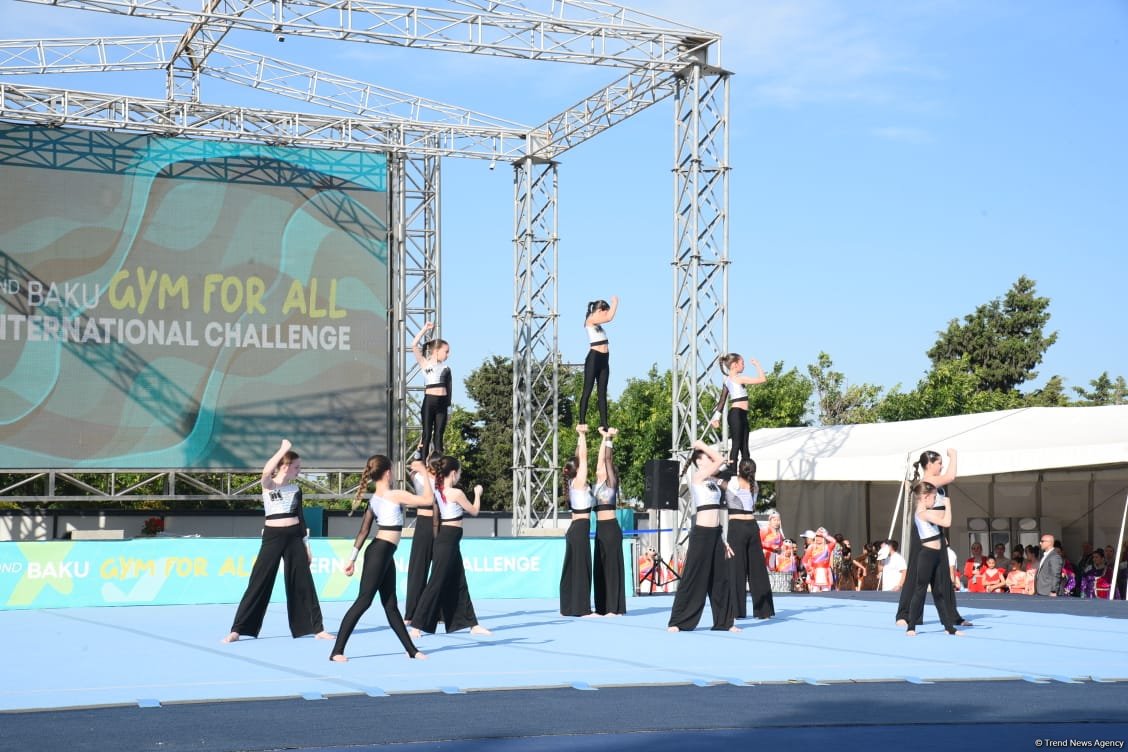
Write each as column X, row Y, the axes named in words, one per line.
column 385, row 507
column 734, row 392
column 285, row 538
column 431, row 358
column 597, row 367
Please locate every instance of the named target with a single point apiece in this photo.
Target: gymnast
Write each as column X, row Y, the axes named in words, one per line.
column 379, row 574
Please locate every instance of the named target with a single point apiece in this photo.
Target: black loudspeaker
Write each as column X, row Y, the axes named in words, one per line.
column 661, row 486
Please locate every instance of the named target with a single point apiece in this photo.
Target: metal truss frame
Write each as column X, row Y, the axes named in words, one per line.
column 660, row 59
column 417, row 288
column 701, row 260
column 536, row 362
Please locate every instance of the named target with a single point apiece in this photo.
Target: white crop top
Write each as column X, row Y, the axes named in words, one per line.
column 448, row 510
column 389, row 515
column 285, row 501
column 741, row 499
column 579, row 499
column 705, row 495
column 927, row 531
column 736, row 390
column 433, row 373
column 605, row 497
column 596, row 334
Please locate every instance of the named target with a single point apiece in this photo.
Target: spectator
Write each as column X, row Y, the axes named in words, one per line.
column 1097, row 570
column 954, row 569
column 870, row 570
column 1047, row 577
column 974, row 566
column 1000, row 553
column 893, row 568
column 816, row 562
column 1016, row 578
column 1068, row 573
column 993, row 578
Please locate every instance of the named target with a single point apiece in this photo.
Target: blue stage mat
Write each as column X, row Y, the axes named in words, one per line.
column 152, row 656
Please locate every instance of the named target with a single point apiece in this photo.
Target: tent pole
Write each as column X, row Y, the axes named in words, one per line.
column 901, row 495
column 1116, row 555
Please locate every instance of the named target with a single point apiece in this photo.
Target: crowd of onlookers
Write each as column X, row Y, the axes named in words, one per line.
column 828, row 562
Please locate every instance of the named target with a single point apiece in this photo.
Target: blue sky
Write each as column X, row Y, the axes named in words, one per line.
column 895, row 165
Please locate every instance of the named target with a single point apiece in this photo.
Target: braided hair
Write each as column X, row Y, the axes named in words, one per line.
column 374, row 469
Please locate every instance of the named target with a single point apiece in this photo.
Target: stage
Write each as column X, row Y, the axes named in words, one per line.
column 160, row 677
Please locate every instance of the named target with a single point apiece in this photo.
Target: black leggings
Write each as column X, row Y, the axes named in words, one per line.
column 738, row 434
column 596, row 370
column 379, row 575
column 434, row 423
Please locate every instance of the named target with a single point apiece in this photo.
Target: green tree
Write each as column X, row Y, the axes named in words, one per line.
column 951, row 388
column 781, row 401
column 1002, row 340
column 644, row 415
column 839, row 403
column 1051, row 395
column 487, row 433
column 1104, row 391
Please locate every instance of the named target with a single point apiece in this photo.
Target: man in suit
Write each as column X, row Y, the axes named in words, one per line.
column 1048, row 579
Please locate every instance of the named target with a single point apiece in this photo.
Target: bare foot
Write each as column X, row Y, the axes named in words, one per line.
column 735, row 628
column 672, row 629
column 910, row 633
column 612, row 431
column 957, row 633
column 419, row 656
column 612, row 614
column 588, row 616
column 233, row 637
column 478, row 629
column 323, row 635
column 415, row 633
column 902, row 623
column 338, row 658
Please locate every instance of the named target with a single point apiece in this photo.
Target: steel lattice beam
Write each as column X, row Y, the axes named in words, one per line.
column 636, row 91
column 536, row 369
column 587, row 35
column 198, row 41
column 701, row 171
column 59, row 107
column 417, row 287
column 252, row 69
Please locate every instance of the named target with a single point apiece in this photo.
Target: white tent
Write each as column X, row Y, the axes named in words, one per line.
column 1059, row 469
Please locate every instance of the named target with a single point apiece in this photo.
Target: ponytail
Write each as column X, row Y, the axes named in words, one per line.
column 361, row 488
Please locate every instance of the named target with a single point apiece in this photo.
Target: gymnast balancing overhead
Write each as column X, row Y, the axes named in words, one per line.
column 431, row 358
column 285, row 538
column 597, row 367
column 733, row 391
column 385, row 508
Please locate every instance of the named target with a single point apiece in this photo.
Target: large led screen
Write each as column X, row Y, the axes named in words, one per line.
column 170, row 303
